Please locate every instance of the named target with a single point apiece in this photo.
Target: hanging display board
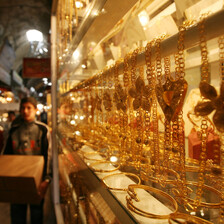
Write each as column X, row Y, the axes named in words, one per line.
column 36, row 67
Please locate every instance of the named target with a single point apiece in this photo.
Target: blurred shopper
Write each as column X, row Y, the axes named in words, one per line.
column 5, row 127
column 30, row 137
column 11, row 117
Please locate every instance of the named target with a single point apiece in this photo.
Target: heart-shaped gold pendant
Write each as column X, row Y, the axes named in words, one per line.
column 170, row 96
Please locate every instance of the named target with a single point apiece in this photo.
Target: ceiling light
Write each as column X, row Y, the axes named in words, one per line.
column 34, row 35
column 32, row 89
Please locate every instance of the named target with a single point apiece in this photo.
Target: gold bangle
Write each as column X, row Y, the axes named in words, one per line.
column 174, row 218
column 209, row 188
column 85, row 156
column 133, row 195
column 122, row 173
column 103, row 170
column 159, row 178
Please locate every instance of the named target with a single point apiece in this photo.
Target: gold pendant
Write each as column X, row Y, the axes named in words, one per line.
column 170, row 96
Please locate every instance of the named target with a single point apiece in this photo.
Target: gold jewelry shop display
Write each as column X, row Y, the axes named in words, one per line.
column 133, row 118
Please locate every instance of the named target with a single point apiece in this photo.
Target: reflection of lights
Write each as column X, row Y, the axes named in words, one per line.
column 38, row 112
column 143, row 18
column 96, row 13
column 73, row 98
column 81, row 117
column 78, row 133
column 193, row 213
column 76, row 117
column 71, row 94
column 45, row 79
column 83, row 66
column 113, row 159
column 90, row 116
column 4, row 119
column 75, row 54
column 49, row 83
column 45, row 49
column 72, row 122
column 202, row 212
column 40, row 94
column 80, row 4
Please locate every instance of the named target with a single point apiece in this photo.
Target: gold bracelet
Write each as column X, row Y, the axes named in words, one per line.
column 102, row 170
column 122, row 173
column 209, row 188
column 159, row 177
column 133, row 195
column 86, row 154
column 176, row 217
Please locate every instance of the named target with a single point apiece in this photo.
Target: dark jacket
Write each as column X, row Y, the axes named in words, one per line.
column 30, row 139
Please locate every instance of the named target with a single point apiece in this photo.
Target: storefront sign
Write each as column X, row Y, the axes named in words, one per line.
column 36, row 68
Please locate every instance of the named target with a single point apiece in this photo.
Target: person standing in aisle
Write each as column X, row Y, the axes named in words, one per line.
column 30, row 137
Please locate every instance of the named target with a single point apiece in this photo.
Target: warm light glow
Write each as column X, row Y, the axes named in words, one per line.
column 81, row 117
column 113, row 159
column 79, row 4
column 34, row 35
column 76, row 117
column 72, row 122
column 9, row 99
column 40, row 106
column 143, row 18
column 78, row 133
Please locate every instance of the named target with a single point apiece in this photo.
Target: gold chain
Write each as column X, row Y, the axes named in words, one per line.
column 204, row 126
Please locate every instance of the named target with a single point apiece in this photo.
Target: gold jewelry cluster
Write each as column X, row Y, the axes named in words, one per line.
column 136, row 117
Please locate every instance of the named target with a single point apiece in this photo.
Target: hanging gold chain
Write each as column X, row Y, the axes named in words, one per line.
column 204, row 134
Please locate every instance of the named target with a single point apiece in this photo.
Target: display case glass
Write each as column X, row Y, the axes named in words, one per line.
column 141, row 111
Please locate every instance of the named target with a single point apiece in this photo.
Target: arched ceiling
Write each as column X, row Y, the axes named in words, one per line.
column 19, row 16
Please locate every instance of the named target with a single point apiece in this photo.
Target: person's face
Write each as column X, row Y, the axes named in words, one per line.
column 28, row 111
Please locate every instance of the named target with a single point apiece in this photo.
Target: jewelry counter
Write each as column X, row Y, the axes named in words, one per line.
column 136, row 145
column 107, row 189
